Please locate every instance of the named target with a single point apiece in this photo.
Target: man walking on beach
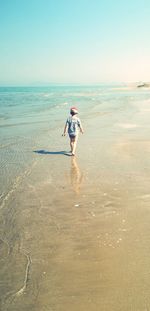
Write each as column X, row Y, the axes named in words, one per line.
column 73, row 125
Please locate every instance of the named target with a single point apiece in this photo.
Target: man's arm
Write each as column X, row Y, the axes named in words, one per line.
column 81, row 129
column 80, row 126
column 65, row 129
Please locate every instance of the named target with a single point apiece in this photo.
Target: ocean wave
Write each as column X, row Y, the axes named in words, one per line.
column 127, row 125
column 21, row 124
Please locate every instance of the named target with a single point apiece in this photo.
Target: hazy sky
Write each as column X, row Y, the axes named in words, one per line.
column 74, row 41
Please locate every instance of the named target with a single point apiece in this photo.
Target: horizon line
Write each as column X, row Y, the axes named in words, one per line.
column 47, row 84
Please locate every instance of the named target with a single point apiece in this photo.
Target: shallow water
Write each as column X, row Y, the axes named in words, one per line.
column 74, row 232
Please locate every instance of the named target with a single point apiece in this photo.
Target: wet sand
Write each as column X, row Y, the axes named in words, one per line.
column 75, row 231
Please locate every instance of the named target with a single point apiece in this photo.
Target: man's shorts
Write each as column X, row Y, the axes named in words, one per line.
column 72, row 135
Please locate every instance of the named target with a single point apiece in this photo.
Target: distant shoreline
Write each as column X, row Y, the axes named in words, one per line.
column 115, row 86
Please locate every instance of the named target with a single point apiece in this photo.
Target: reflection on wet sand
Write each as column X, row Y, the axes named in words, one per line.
column 76, row 176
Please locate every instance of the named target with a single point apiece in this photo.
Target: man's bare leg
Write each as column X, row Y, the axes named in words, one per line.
column 75, row 139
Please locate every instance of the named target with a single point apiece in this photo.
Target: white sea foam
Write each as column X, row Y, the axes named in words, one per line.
column 127, row 125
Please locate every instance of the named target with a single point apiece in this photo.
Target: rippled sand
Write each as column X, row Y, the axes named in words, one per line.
column 74, row 232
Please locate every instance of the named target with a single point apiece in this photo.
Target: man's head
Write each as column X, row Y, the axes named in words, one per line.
column 73, row 111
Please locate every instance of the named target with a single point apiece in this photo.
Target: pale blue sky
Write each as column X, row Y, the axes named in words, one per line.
column 68, row 41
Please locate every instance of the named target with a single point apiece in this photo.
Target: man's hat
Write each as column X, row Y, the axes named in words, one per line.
column 74, row 109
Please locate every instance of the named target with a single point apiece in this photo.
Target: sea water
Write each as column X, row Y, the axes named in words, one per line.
column 29, row 114
column 74, row 231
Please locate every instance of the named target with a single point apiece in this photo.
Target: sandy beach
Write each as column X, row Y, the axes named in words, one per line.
column 74, row 231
